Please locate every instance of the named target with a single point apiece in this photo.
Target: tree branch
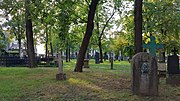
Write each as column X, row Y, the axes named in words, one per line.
column 100, row 36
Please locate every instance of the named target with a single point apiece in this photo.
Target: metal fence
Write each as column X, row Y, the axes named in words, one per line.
column 10, row 61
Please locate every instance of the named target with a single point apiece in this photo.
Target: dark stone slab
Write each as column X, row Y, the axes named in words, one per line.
column 97, row 58
column 144, row 74
column 173, row 64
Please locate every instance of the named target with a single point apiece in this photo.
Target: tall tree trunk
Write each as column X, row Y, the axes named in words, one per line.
column 88, row 34
column 47, row 51
column 138, row 25
column 51, row 49
column 51, row 43
column 29, row 36
column 19, row 39
column 100, row 50
column 19, row 42
column 69, row 52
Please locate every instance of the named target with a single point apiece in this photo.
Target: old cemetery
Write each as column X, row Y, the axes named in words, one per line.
column 89, row 50
column 152, row 75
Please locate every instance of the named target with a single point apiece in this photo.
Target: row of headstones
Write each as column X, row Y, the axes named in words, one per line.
column 110, row 56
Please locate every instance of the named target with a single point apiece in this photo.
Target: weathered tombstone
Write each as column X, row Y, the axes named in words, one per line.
column 97, row 58
column 162, row 70
column 144, row 74
column 60, row 75
column 86, row 63
column 173, row 63
column 162, row 57
column 152, row 46
column 173, row 76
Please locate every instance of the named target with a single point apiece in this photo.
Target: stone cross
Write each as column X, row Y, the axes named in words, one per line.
column 174, row 51
column 152, row 46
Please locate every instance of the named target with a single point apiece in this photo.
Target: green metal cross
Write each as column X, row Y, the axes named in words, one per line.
column 152, row 46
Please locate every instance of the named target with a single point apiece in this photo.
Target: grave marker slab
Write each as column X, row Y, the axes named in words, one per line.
column 86, row 63
column 144, row 74
column 97, row 58
column 173, row 76
column 173, row 63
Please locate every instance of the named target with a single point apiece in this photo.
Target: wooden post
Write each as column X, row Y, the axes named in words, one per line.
column 111, row 60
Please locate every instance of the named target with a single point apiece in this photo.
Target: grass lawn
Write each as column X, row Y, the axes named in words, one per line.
column 97, row 83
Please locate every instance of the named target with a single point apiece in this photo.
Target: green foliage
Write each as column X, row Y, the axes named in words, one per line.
column 2, row 41
column 65, row 21
column 119, row 43
column 161, row 18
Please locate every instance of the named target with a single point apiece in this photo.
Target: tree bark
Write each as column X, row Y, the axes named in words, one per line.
column 51, row 46
column 138, row 25
column 69, row 52
column 29, row 36
column 100, row 50
column 47, row 51
column 88, row 34
column 51, row 49
column 19, row 39
column 19, row 42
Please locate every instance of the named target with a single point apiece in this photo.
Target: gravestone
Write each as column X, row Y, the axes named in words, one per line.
column 162, row 68
column 60, row 75
column 162, row 57
column 144, row 74
column 173, row 76
column 97, row 58
column 173, row 63
column 152, row 46
column 86, row 63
